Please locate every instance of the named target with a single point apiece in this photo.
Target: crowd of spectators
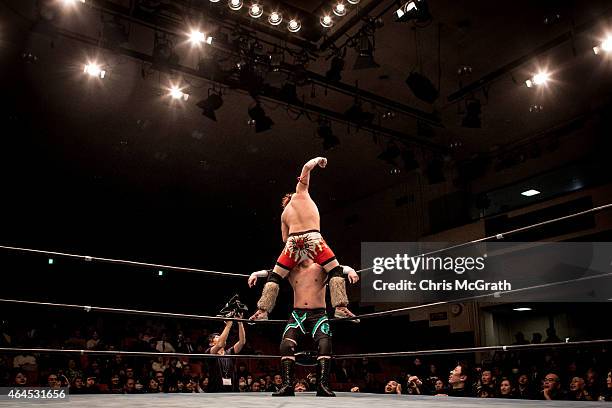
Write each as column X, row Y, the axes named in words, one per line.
column 531, row 374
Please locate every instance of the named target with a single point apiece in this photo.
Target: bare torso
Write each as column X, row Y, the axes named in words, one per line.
column 301, row 214
column 308, row 281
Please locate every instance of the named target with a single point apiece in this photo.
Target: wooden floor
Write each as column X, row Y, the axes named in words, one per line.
column 265, row 400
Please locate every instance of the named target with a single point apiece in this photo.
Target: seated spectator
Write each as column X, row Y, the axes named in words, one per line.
column 393, row 387
column 524, row 389
column 242, row 384
column 457, row 382
column 519, row 338
column 115, row 386
column 73, row 372
column 130, row 386
column 439, row 387
column 163, row 345
column 607, row 394
column 485, row 387
column 414, row 386
column 161, row 379
column 256, row 387
column 53, row 381
column 153, row 386
column 355, row 389
column 536, row 338
column 203, row 384
column 552, row 388
column 277, row 382
column 551, row 336
column 76, row 341
column 592, row 386
column 505, row 389
column 91, row 385
column 301, row 386
column 577, row 390
column 191, row 386
column 77, row 387
column 93, row 342
column 20, row 379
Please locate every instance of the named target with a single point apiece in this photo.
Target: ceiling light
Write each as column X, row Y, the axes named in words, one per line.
column 177, row 93
column 197, row 37
column 294, row 25
column 353, row 1
column 275, row 18
column 538, row 79
column 94, row 70
column 530, row 193
column 365, row 50
column 522, row 309
column 235, row 4
column 256, row 10
column 327, row 21
column 604, row 46
column 340, row 9
column 413, row 10
column 422, row 87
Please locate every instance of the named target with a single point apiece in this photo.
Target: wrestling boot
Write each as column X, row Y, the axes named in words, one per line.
column 324, row 372
column 286, row 390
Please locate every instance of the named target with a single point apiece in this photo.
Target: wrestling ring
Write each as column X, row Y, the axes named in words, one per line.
column 306, row 399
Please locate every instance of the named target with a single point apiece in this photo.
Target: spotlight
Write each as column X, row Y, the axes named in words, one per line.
column 214, row 1
column 340, row 9
column 536, row 108
column 275, row 18
column 259, row 119
column 177, row 93
column 335, row 69
column 391, row 153
column 604, row 47
column 72, row 2
column 327, row 21
column 256, row 10
column 422, row 87
column 472, row 116
column 530, row 193
column 294, row 25
column 210, row 105
column 94, row 70
column 365, row 50
column 541, row 78
column 197, row 37
column 356, row 114
column 413, row 10
column 353, row 1
column 325, row 132
column 235, row 4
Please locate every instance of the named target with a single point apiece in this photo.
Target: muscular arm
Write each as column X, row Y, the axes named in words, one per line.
column 222, row 339
column 241, row 339
column 284, row 230
column 304, row 180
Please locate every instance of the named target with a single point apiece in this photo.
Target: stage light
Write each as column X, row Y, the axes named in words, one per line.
column 335, row 69
column 50, row 261
column 214, row 1
column 365, row 50
column 160, row 273
column 530, row 193
column 197, row 37
column 210, row 105
column 94, row 70
column 177, row 93
column 275, row 18
column 325, row 132
column 256, row 10
column 541, row 78
column 72, row 2
column 604, row 47
column 327, row 21
column 235, row 4
column 339, row 9
column 259, row 119
column 522, row 309
column 536, row 108
column 294, row 25
column 472, row 116
column 413, row 10
column 353, row 1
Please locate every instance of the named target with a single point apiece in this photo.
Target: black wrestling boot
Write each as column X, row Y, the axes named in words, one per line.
column 324, row 371
column 286, row 390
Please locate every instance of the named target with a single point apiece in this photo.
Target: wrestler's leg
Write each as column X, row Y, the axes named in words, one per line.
column 322, row 337
column 287, row 352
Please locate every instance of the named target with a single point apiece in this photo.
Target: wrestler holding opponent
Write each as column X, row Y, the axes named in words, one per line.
column 308, row 318
column 300, row 224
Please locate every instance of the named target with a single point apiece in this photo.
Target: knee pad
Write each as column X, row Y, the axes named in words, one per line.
column 287, row 348
column 324, row 346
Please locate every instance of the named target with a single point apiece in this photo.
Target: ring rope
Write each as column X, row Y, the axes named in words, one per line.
column 475, row 297
column 277, row 321
column 471, row 349
column 134, row 353
column 463, row 350
column 138, row 312
column 511, row 232
column 124, row 262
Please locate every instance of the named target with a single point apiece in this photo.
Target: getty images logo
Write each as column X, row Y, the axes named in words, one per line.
column 411, row 264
